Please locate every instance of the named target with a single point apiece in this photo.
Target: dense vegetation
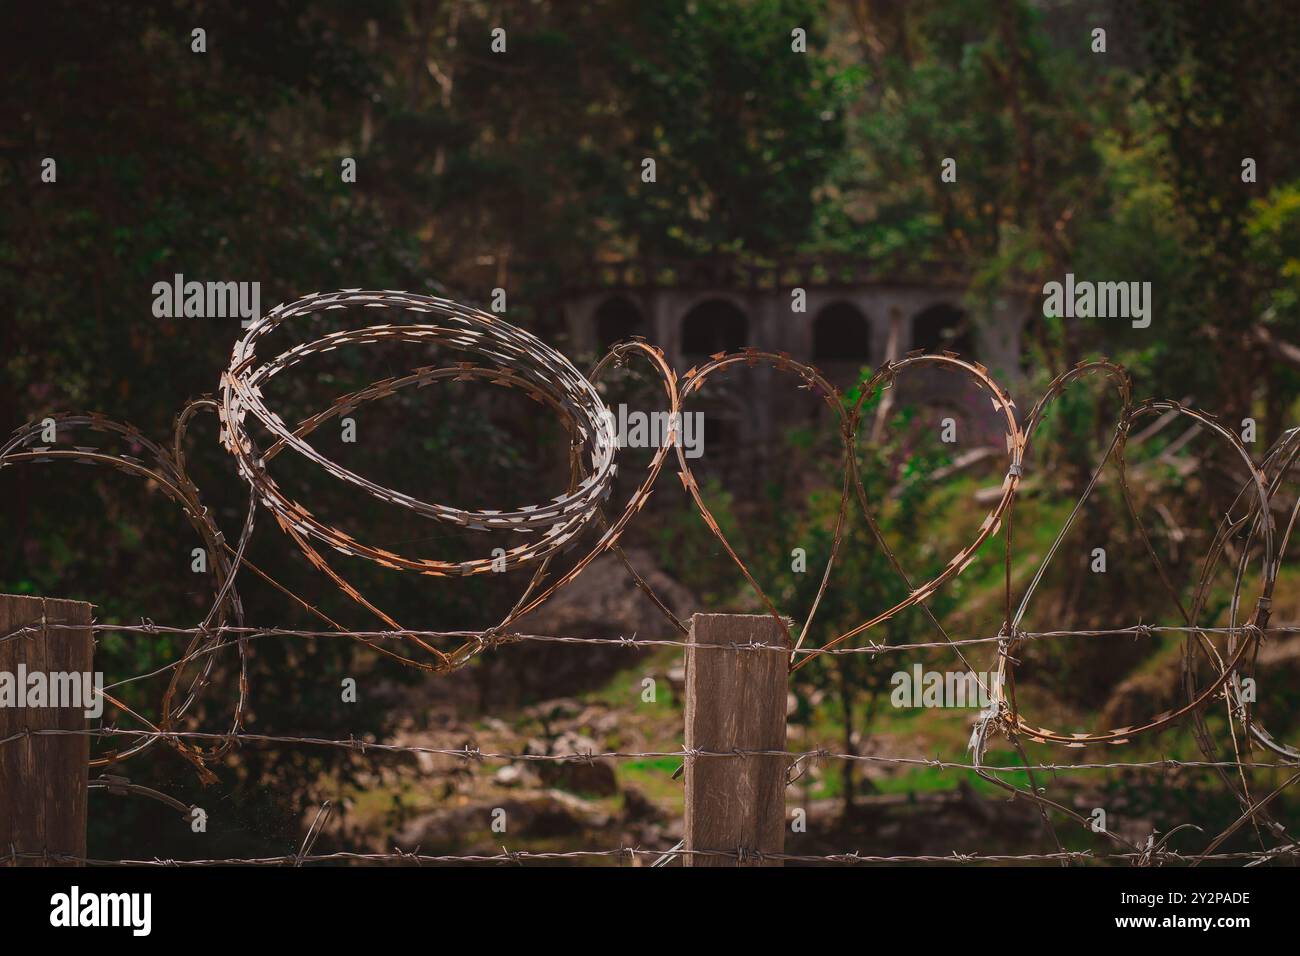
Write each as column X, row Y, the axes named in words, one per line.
column 478, row 170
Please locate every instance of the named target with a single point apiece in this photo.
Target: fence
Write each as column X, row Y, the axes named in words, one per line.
column 729, row 773
column 735, row 757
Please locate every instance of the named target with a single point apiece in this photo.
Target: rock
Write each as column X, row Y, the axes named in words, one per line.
column 547, row 813
column 603, row 602
column 1142, row 696
column 1279, row 657
column 638, row 808
column 677, row 681
column 597, row 776
column 600, row 720
column 556, row 709
column 517, row 775
column 572, row 742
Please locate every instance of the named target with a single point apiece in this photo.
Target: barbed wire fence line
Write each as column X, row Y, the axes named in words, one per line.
column 793, row 759
column 477, row 755
column 519, row 361
column 621, row 854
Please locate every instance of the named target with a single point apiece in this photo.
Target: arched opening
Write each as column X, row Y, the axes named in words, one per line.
column 617, row 319
column 841, row 334
column 714, row 326
column 943, row 328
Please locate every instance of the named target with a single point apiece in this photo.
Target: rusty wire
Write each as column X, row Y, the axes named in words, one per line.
column 508, row 357
column 476, row 755
column 1146, row 857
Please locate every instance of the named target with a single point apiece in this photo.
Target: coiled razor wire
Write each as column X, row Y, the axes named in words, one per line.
column 518, row 360
column 503, row 355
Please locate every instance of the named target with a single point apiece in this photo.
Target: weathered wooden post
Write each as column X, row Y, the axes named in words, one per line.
column 43, row 777
column 735, row 699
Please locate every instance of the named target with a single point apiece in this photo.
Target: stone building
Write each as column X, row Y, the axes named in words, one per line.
column 854, row 317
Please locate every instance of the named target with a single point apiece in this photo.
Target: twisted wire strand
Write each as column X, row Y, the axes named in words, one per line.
column 1145, row 857
column 511, row 358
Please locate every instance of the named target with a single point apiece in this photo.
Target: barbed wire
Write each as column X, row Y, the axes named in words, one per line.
column 520, row 361
column 254, row 435
column 475, row 754
column 742, row 855
column 510, row 637
column 493, row 639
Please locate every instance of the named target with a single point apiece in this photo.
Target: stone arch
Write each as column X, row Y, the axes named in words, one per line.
column 841, row 333
column 617, row 319
column 714, row 325
column 944, row 328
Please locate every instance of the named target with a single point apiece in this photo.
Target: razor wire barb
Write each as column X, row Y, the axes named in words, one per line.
column 501, row 354
column 740, row 854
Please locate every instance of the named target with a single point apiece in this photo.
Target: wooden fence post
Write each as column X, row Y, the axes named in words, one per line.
column 43, row 778
column 735, row 699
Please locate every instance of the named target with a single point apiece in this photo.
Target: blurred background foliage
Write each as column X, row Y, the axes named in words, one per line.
column 476, row 171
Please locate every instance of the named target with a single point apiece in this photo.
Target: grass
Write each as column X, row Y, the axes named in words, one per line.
column 916, row 732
